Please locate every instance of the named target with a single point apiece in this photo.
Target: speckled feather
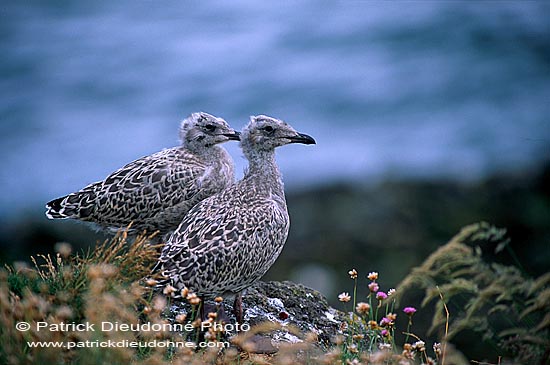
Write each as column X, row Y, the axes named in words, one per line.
column 229, row 240
column 156, row 191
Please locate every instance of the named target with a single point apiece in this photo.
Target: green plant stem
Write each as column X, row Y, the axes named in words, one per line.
column 408, row 329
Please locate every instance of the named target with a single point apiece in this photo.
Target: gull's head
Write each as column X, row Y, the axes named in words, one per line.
column 267, row 133
column 202, row 130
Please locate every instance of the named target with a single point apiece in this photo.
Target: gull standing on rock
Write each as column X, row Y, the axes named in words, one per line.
column 228, row 241
column 155, row 192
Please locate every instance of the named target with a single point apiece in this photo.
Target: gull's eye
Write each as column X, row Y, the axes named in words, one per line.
column 210, row 127
column 268, row 129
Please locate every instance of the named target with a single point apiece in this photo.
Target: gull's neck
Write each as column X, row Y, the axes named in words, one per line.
column 264, row 172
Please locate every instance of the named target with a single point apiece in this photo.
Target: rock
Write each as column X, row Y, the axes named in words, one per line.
column 277, row 313
column 290, row 304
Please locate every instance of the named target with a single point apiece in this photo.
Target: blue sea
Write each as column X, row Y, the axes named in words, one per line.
column 432, row 89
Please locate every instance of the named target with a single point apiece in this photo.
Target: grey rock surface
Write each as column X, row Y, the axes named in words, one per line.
column 290, row 313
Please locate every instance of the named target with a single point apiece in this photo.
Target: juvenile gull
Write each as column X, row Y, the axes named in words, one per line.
column 156, row 191
column 229, row 240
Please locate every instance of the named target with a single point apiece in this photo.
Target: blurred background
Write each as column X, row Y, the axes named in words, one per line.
column 428, row 116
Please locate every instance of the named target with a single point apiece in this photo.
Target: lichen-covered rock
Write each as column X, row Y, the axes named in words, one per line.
column 292, row 311
column 287, row 303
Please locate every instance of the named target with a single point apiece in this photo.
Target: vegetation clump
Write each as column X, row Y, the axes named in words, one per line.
column 498, row 303
column 65, row 296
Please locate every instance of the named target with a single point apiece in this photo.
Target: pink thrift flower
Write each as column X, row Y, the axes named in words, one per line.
column 381, row 295
column 373, row 287
column 409, row 311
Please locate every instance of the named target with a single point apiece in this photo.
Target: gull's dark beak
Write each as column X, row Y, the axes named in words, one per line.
column 302, row 138
column 236, row 136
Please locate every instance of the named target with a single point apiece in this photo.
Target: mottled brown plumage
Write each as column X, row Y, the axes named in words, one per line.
column 156, row 191
column 229, row 240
